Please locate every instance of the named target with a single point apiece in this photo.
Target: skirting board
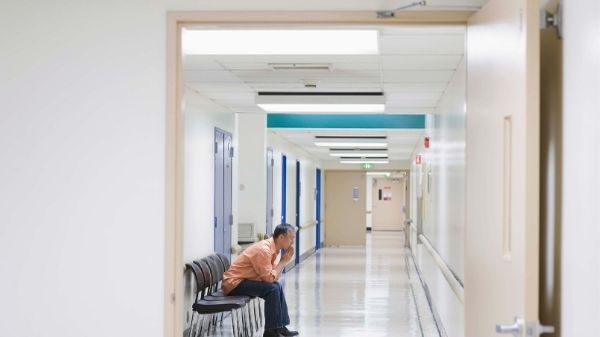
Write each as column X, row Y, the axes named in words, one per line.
column 436, row 316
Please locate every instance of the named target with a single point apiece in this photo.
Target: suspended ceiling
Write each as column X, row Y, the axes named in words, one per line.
column 413, row 69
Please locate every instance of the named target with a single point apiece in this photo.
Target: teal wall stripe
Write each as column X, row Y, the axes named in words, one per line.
column 319, row 121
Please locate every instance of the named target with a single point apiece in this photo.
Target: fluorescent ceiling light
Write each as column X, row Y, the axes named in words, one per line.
column 365, row 161
column 377, row 174
column 321, row 102
column 359, row 154
column 355, row 142
column 308, row 108
column 280, row 42
column 349, row 145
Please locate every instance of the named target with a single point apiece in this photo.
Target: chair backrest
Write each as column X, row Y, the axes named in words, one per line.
column 224, row 260
column 205, row 271
column 200, row 283
column 216, row 269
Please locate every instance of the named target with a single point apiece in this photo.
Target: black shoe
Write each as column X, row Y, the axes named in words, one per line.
column 270, row 333
column 285, row 332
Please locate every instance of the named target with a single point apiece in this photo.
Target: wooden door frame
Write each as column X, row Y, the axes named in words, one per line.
column 174, row 264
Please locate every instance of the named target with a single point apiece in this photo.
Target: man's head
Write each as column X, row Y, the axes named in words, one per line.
column 284, row 235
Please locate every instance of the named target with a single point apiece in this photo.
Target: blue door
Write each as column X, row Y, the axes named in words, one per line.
column 223, row 218
column 283, row 187
column 227, row 195
column 298, row 211
column 318, row 208
column 270, row 164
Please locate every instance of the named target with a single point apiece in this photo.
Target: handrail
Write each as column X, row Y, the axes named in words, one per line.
column 308, row 224
column 454, row 282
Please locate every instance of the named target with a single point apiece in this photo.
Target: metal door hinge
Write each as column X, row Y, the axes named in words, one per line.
column 230, row 219
column 555, row 20
column 231, row 152
column 216, row 147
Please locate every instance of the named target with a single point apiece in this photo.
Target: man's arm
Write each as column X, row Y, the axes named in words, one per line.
column 265, row 270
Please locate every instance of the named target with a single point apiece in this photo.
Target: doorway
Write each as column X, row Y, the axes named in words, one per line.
column 388, row 203
column 174, row 185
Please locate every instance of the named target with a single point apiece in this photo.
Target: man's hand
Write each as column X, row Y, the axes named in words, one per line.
column 288, row 254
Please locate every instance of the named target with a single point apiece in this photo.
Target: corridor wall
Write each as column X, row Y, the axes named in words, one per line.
column 440, row 180
column 201, row 116
column 308, row 166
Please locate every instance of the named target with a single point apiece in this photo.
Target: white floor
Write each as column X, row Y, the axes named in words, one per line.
column 357, row 291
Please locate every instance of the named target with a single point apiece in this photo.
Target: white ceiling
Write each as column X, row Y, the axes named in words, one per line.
column 413, row 69
column 401, row 143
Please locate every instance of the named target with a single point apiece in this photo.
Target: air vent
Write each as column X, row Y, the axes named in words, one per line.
column 301, row 66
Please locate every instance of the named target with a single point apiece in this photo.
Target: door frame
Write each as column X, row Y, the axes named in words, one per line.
column 318, row 209
column 283, row 188
column 173, row 289
column 270, row 185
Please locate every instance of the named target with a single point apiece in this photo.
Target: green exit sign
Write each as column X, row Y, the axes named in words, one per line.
column 367, row 166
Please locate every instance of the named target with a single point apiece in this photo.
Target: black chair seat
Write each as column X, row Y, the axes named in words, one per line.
column 217, row 297
column 213, row 307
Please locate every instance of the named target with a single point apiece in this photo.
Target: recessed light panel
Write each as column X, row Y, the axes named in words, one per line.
column 280, row 42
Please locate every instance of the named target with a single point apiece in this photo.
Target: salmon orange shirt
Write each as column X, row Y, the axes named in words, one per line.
column 256, row 262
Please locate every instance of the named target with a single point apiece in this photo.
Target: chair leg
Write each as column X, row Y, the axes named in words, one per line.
column 246, row 322
column 250, row 322
column 261, row 312
column 200, row 324
column 192, row 324
column 235, row 322
column 255, row 311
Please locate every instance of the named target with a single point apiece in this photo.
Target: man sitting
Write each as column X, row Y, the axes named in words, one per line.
column 255, row 273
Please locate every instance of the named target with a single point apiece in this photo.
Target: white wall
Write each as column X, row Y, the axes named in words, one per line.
column 82, row 124
column 308, row 166
column 252, row 170
column 443, row 220
column 581, row 161
column 201, row 116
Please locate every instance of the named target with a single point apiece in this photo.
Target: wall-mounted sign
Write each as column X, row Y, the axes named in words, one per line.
column 387, row 195
column 367, row 166
column 355, row 193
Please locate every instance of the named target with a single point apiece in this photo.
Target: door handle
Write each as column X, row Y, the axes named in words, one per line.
column 514, row 329
column 535, row 329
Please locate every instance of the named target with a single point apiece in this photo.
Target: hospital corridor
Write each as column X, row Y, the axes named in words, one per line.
column 370, row 291
column 268, row 168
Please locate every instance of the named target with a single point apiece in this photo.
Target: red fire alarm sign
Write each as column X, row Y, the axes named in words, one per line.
column 426, row 142
column 418, row 159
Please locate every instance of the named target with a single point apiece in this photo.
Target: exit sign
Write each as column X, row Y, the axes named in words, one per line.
column 367, row 166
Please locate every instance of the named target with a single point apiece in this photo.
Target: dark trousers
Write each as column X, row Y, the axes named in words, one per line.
column 276, row 311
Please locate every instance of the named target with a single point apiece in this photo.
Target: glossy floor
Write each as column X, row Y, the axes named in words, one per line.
column 357, row 291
